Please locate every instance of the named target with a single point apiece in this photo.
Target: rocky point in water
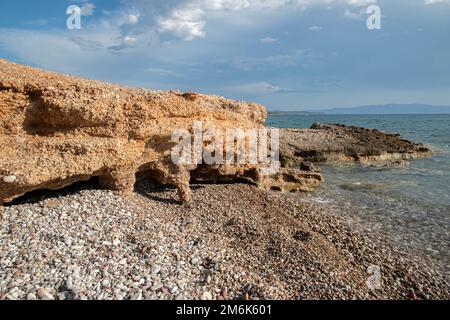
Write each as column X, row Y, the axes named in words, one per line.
column 340, row 143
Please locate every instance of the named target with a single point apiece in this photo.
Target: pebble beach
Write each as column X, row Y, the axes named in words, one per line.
column 232, row 242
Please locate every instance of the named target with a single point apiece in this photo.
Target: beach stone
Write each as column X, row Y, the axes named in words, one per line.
column 157, row 287
column 44, row 294
column 9, row 179
column 207, row 296
column 155, row 269
column 137, row 296
column 31, row 296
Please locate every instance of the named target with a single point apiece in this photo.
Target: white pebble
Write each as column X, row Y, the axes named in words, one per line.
column 106, row 283
column 9, row 179
column 31, row 296
column 43, row 294
column 155, row 270
column 207, row 296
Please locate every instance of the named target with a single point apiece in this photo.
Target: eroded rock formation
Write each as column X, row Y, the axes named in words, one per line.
column 56, row 130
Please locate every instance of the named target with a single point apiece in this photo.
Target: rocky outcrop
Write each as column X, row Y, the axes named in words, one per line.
column 56, row 130
column 339, row 143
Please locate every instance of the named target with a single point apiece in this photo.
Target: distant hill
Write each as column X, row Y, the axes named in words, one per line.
column 391, row 109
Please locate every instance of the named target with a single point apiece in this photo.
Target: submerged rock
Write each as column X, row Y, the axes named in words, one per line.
column 362, row 186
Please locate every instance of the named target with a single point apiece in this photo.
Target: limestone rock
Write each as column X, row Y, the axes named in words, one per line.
column 56, row 130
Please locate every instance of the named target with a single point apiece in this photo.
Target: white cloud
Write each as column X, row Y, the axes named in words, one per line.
column 303, row 57
column 188, row 20
column 133, row 19
column 257, row 89
column 184, row 22
column 274, row 88
column 315, row 28
column 162, row 72
column 85, row 53
column 56, row 50
column 129, row 40
column 268, row 40
column 87, row 9
column 428, row 2
column 354, row 15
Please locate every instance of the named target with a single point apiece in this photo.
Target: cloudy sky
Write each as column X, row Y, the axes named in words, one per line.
column 286, row 54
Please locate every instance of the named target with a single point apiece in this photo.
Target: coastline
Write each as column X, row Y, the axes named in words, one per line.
column 121, row 236
column 234, row 241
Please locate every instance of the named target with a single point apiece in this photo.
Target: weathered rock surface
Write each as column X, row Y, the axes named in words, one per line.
column 56, row 130
column 339, row 143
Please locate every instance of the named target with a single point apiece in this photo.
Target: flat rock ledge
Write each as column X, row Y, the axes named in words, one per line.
column 340, row 143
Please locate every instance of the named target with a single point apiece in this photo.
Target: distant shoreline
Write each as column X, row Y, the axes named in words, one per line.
column 387, row 109
column 353, row 114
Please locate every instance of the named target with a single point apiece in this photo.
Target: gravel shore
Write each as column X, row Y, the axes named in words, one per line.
column 232, row 242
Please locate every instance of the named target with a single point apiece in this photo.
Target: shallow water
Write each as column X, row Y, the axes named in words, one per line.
column 411, row 204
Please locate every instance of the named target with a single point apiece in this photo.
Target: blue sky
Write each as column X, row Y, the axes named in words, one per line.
column 286, row 54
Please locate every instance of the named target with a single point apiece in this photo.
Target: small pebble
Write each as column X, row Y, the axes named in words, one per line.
column 9, row 179
column 207, row 296
column 44, row 294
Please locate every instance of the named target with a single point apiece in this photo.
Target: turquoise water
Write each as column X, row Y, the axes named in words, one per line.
column 410, row 205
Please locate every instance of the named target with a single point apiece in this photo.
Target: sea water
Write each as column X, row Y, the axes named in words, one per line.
column 409, row 205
